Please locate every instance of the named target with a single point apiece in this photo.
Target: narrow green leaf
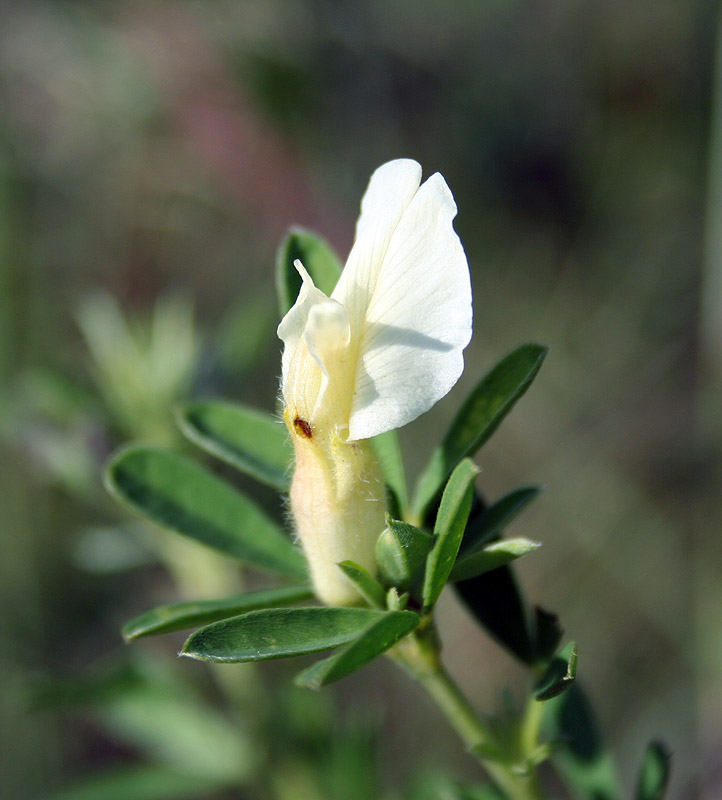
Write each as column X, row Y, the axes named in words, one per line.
column 278, row 633
column 401, row 552
column 560, row 674
column 371, row 590
column 654, row 774
column 478, row 418
column 247, row 439
column 141, row 783
column 482, row 528
column 449, row 529
column 490, row 557
column 179, row 495
column 317, row 257
column 178, row 616
column 388, row 451
column 375, row 640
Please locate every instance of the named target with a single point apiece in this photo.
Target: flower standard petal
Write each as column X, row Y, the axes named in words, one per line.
column 391, row 188
column 408, row 299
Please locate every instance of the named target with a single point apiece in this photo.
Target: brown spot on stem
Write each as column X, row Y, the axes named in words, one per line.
column 302, row 427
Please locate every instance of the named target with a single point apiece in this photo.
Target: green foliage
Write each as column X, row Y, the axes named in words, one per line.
column 487, row 524
column 181, row 731
column 316, row 256
column 375, row 640
column 494, row 596
column 496, row 601
column 582, row 758
column 142, row 368
column 140, row 783
column 250, row 440
column 467, row 548
column 477, row 419
column 559, row 675
column 654, row 774
column 165, row 720
column 491, row 557
column 279, row 633
column 179, row 616
column 449, row 530
column 181, row 496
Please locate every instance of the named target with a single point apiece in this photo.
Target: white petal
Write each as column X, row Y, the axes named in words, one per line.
column 391, row 188
column 293, row 326
column 317, row 373
column 408, row 296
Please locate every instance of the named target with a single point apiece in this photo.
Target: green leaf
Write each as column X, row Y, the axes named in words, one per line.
column 560, row 674
column 249, row 440
column 581, row 758
column 548, row 633
column 387, row 449
column 490, row 557
column 495, row 599
column 317, row 257
column 278, row 633
column 401, row 552
column 371, row 590
column 483, row 527
column 654, row 774
column 177, row 616
column 478, row 418
column 375, row 640
column 179, row 495
column 141, row 783
column 449, row 529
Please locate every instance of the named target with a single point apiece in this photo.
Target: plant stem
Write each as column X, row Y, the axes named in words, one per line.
column 419, row 656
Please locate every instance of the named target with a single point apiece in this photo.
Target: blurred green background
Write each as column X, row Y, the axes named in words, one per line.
column 156, row 147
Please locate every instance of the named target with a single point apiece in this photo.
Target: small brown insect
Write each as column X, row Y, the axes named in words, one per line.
column 302, row 427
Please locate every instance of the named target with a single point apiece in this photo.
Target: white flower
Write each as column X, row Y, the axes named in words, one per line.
column 375, row 355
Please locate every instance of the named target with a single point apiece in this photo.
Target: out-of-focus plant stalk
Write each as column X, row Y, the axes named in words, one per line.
column 419, row 655
column 710, row 421
column 707, row 565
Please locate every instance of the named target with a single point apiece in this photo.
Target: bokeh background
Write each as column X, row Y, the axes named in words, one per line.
column 165, row 147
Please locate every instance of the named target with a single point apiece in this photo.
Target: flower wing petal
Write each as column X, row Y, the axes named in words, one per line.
column 417, row 307
column 292, row 328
